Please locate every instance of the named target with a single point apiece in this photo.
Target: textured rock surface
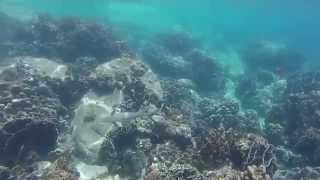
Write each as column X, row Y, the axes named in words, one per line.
column 30, row 115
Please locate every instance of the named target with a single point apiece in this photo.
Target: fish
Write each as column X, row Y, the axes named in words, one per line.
column 126, row 116
column 99, row 126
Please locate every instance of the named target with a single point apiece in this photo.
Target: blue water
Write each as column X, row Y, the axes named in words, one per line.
column 254, row 78
column 219, row 23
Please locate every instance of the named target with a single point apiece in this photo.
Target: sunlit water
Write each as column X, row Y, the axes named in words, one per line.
column 223, row 26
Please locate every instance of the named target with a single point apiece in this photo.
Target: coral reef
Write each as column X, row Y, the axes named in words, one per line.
column 176, row 56
column 75, row 103
column 138, row 83
column 120, row 154
column 226, row 113
column 176, row 171
column 298, row 173
column 214, row 149
column 222, row 147
column 207, row 74
column 295, row 119
column 215, row 155
column 180, row 96
column 226, row 172
column 30, row 115
column 128, row 91
column 165, row 63
column 259, row 96
column 178, row 43
column 129, row 149
column 272, row 57
column 61, row 169
column 68, row 39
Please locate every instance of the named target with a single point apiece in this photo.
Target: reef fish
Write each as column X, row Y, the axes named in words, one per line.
column 99, row 126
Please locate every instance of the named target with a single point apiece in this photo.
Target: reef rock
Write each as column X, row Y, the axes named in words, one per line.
column 30, row 115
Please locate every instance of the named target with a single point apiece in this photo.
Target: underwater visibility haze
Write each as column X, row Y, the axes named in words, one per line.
column 159, row 89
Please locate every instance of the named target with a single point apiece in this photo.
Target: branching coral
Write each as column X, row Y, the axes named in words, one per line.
column 260, row 153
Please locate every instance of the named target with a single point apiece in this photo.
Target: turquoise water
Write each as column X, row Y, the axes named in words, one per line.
column 108, row 109
column 219, row 24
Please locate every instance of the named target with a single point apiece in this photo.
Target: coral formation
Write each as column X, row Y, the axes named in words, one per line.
column 260, row 96
column 215, row 148
column 165, row 63
column 272, row 57
column 177, row 56
column 76, row 104
column 30, row 115
column 178, row 43
column 226, row 113
column 68, row 39
column 297, row 116
column 207, row 74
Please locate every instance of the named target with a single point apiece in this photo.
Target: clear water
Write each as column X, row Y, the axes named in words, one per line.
column 219, row 23
column 224, row 28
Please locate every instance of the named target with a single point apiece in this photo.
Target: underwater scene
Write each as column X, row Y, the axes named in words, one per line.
column 159, row 90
